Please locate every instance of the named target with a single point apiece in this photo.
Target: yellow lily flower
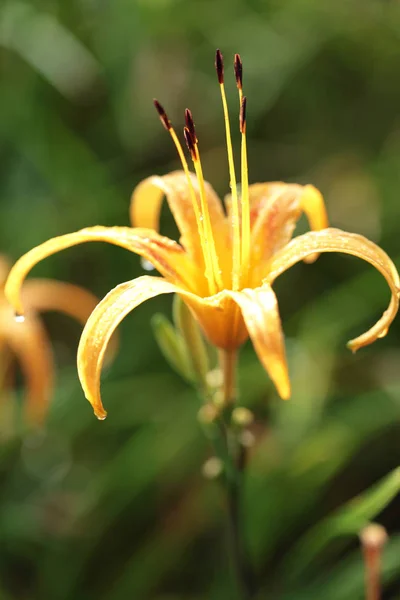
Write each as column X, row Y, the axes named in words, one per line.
column 25, row 337
column 225, row 262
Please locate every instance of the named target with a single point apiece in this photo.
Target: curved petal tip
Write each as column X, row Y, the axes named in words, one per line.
column 101, row 325
column 335, row 240
column 284, row 389
column 259, row 309
column 99, row 412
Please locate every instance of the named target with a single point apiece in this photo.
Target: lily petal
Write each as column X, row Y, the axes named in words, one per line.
column 214, row 314
column 48, row 294
column 146, row 203
column 28, row 342
column 72, row 300
column 275, row 209
column 335, row 240
column 5, row 267
column 313, row 205
column 219, row 317
column 260, row 312
column 166, row 255
column 102, row 323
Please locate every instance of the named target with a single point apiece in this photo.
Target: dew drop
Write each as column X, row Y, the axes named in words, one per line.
column 146, row 264
column 101, row 417
column 19, row 318
column 382, row 333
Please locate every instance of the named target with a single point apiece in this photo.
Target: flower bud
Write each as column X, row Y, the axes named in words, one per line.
column 242, row 416
column 193, row 339
column 172, row 346
column 208, row 414
column 212, row 468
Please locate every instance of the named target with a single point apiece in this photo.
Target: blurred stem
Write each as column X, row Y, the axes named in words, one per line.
column 372, row 557
column 235, row 462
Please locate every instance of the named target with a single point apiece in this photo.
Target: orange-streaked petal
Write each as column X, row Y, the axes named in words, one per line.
column 102, row 323
column 72, row 300
column 166, row 255
column 49, row 294
column 29, row 343
column 275, row 209
column 5, row 267
column 335, row 240
column 146, row 204
column 219, row 317
column 260, row 312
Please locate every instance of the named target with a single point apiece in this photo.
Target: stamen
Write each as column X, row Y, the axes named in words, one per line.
column 190, row 125
column 191, row 142
column 219, row 65
column 163, row 115
column 236, row 258
column 199, row 217
column 238, row 66
column 245, row 206
column 242, row 115
column 245, row 195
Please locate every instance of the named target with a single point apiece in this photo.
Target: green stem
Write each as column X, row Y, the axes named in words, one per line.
column 239, row 557
column 227, row 360
column 235, row 462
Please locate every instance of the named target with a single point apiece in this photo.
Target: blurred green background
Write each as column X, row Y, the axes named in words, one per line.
column 120, row 509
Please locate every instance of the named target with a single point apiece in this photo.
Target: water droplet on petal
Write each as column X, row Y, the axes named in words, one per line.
column 19, row 318
column 101, row 417
column 146, row 264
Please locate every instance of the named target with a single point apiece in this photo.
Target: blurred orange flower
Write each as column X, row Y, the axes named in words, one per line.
column 225, row 263
column 26, row 339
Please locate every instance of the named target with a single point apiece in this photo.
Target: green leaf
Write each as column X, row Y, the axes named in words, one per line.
column 346, row 521
column 349, row 577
